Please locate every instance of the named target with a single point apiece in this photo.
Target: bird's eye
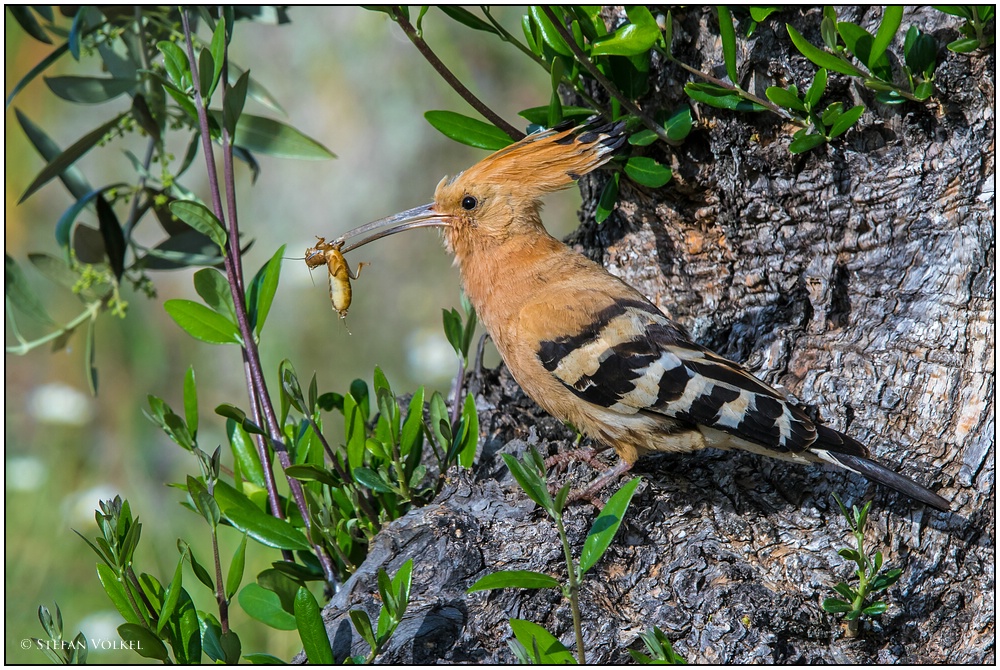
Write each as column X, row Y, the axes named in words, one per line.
column 468, row 202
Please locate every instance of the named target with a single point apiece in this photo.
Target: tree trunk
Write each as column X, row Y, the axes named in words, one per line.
column 858, row 278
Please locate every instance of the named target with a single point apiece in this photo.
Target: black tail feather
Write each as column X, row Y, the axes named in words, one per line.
column 883, row 475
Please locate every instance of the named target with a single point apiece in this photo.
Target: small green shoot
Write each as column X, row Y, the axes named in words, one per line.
column 871, row 580
column 532, row 645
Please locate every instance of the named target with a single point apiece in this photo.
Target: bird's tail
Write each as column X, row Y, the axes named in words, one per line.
column 844, row 451
column 552, row 159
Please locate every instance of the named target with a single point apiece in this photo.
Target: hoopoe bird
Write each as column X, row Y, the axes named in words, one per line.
column 587, row 347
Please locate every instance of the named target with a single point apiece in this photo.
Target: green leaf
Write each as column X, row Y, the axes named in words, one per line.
column 609, row 196
column 647, row 171
column 265, row 606
column 213, row 287
column 467, row 18
column 274, row 138
column 312, row 631
column 891, row 18
column 176, row 64
column 515, row 579
column 784, row 98
column 846, row 120
column 642, row 138
column 112, row 236
column 820, row 57
column 540, row 115
column 548, row 31
column 202, row 219
column 758, row 14
column 262, row 289
column 218, row 49
column 42, row 66
column 363, row 624
column 59, row 165
column 29, row 23
column 89, row 90
column 920, row 51
column 678, row 126
column 955, row 10
column 232, row 106
column 875, row 609
column 470, row 432
column 259, row 525
column 245, row 454
column 923, row 90
column 804, row 143
column 370, row 479
column 721, row 97
column 171, row 597
column 116, row 592
column 964, row 45
column 530, row 482
column 236, row 566
column 633, row 38
column 354, row 432
column 542, row 646
column 143, row 641
column 836, row 606
column 19, row 293
column 846, row 591
column 606, row 526
column 261, row 658
column 468, row 131
column 728, row 34
column 199, row 570
column 202, row 323
column 816, row 89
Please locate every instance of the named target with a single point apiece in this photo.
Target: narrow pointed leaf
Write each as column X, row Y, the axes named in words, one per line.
column 891, row 18
column 606, row 525
column 846, row 120
column 236, row 566
column 820, row 57
column 20, row 294
column 312, row 632
column 728, row 34
column 64, row 160
column 274, row 138
column 143, row 641
column 89, row 90
column 71, row 177
column 259, row 525
column 515, row 579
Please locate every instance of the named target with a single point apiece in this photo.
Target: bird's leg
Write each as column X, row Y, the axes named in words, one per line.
column 588, row 456
column 609, row 475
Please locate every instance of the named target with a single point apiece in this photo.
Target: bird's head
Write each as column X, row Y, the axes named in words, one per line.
column 500, row 195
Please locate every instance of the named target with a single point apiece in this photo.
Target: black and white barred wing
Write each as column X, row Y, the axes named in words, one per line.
column 631, row 359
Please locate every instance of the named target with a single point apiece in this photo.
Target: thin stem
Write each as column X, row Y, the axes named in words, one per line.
column 608, row 85
column 510, row 39
column 220, row 589
column 574, row 589
column 746, row 95
column 255, row 374
column 452, row 80
column 456, row 387
column 89, row 313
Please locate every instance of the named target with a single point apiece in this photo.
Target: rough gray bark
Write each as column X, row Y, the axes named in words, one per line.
column 860, row 279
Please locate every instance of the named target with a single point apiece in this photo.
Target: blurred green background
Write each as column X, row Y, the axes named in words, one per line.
column 348, row 78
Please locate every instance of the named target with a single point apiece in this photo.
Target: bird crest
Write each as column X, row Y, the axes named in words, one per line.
column 549, row 160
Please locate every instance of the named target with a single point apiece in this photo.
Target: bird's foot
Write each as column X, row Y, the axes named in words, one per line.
column 563, row 458
column 609, row 475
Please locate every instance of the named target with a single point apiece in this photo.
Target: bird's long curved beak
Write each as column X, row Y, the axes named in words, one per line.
column 418, row 217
